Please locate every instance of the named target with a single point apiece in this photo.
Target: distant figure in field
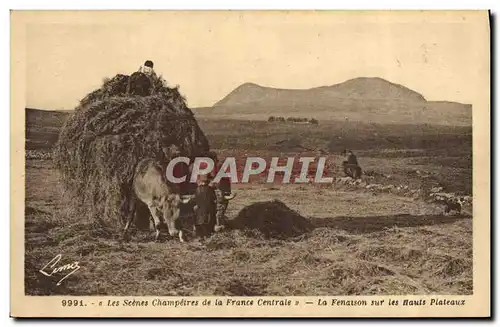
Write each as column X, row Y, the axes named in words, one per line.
column 351, row 166
column 142, row 81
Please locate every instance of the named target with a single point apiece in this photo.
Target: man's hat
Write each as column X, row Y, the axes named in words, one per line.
column 148, row 63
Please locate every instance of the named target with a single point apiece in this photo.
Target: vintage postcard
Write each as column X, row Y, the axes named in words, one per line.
column 250, row 164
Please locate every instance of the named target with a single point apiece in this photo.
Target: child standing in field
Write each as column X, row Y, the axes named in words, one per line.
column 222, row 191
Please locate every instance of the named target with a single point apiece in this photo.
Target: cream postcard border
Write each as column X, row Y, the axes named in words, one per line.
column 476, row 305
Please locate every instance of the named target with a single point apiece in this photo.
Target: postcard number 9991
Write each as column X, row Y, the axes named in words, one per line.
column 72, row 303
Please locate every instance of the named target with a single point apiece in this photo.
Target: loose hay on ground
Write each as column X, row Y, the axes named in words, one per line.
column 273, row 219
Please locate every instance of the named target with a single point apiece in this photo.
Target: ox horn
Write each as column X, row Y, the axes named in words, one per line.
column 230, row 196
column 186, row 198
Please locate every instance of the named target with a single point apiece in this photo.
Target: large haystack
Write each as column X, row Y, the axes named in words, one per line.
column 273, row 219
column 110, row 132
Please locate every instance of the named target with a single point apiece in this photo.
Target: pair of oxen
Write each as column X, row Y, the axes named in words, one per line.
column 166, row 203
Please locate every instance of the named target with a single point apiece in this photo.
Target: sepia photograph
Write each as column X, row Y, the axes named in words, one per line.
column 268, row 163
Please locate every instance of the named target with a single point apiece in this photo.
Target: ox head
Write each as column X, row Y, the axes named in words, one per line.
column 203, row 202
column 190, row 199
column 171, row 207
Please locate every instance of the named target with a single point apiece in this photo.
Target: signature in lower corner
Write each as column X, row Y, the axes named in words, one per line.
column 71, row 267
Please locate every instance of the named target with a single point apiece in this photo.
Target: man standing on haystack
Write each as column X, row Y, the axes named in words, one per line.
column 147, row 69
column 143, row 81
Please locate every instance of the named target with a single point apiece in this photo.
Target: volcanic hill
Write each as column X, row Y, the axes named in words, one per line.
column 359, row 99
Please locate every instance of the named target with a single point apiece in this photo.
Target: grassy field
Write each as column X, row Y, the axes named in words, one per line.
column 359, row 242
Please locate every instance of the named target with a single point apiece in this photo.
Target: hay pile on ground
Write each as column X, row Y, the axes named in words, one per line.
column 110, row 132
column 273, row 219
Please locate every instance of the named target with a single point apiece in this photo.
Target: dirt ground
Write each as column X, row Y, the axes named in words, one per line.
column 359, row 243
column 294, row 240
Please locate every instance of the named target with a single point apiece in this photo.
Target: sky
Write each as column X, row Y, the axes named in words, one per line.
column 208, row 54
